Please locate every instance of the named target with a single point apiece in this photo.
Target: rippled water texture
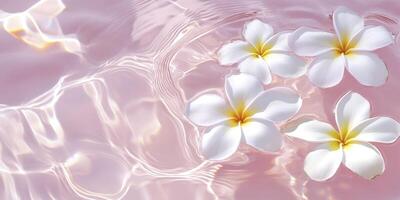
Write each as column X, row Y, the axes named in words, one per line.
column 109, row 123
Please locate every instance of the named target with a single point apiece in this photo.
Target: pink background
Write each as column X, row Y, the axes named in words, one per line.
column 110, row 125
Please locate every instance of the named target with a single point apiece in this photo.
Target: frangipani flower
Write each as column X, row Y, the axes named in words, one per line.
column 349, row 144
column 261, row 53
column 349, row 48
column 39, row 27
column 248, row 116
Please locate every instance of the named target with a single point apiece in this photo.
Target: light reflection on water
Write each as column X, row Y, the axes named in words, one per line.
column 110, row 124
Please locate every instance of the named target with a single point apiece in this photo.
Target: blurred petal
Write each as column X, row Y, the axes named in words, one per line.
column 311, row 42
column 276, row 104
column 314, row 131
column 233, row 52
column 364, row 159
column 256, row 67
column 322, row 163
column 47, row 8
column 262, row 135
column 367, row 68
column 351, row 110
column 39, row 27
column 242, row 89
column 378, row 129
column 208, row 109
column 285, row 65
column 372, row 38
column 347, row 23
column 327, row 70
column 221, row 142
column 257, row 32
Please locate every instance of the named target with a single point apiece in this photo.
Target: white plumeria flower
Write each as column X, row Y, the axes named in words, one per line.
column 39, row 26
column 248, row 116
column 262, row 52
column 349, row 48
column 350, row 143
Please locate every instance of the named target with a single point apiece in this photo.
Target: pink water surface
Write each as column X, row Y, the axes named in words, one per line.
column 110, row 124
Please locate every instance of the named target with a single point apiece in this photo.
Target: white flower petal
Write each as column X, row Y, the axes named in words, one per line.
column 322, row 163
column 314, row 131
column 372, row 38
column 262, row 135
column 207, row 110
column 256, row 67
column 279, row 42
column 378, row 129
column 311, row 42
column 347, row 23
column 276, row 104
column 233, row 52
column 327, row 70
column 221, row 142
column 285, row 65
column 242, row 89
column 364, row 159
column 257, row 32
column 367, row 68
column 351, row 110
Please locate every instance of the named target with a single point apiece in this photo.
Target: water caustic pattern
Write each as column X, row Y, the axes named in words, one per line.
column 110, row 123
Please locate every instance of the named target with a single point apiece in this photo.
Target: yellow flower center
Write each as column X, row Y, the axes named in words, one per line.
column 345, row 47
column 259, row 50
column 239, row 116
column 343, row 138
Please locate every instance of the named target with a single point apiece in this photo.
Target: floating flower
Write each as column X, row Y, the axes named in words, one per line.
column 248, row 116
column 39, row 27
column 261, row 53
column 350, row 143
column 349, row 48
